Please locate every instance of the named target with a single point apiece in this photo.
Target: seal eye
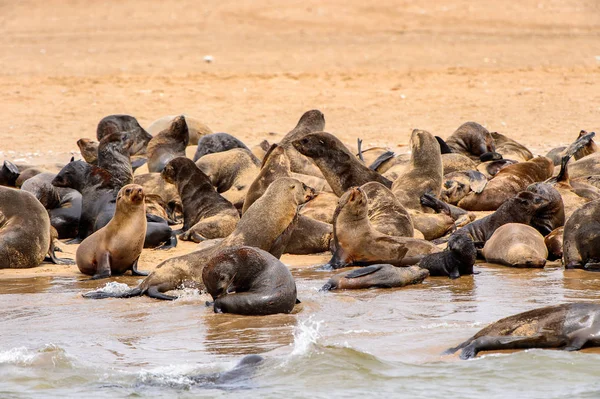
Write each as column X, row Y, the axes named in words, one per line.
column 128, row 191
column 304, row 141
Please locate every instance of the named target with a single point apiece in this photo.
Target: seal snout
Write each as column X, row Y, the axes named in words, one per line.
column 134, row 192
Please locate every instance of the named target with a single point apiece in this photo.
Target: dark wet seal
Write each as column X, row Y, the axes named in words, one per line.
column 9, row 173
column 569, row 327
column 168, row 144
column 376, row 276
column 457, row 260
column 217, row 142
column 581, row 238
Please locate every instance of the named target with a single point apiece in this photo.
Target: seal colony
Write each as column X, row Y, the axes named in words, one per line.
column 399, row 219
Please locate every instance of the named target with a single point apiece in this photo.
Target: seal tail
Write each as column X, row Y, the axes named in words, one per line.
column 137, row 291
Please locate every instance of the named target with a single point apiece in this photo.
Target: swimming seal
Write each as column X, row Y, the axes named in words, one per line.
column 249, row 281
column 569, row 327
column 116, row 247
column 376, row 276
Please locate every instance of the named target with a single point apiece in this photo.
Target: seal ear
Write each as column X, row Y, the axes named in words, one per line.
column 292, row 186
column 72, row 159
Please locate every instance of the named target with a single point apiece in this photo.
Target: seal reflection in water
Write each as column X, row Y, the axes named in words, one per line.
column 376, row 276
column 569, row 327
column 116, row 247
column 249, row 281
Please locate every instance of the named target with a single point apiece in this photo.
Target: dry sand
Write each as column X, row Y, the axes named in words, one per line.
column 528, row 69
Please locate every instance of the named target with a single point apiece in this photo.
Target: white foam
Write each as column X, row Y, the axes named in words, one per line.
column 114, row 288
column 20, row 355
column 306, row 334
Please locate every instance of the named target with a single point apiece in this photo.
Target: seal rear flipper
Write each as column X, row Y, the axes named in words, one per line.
column 364, row 271
column 452, row 351
column 154, row 292
column 359, row 145
column 58, row 261
column 103, row 267
column 381, row 159
column 579, row 144
column 135, row 271
column 437, row 205
column 137, row 291
column 444, row 148
column 490, row 156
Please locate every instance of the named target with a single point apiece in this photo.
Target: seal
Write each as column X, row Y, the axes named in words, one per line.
column 519, row 209
column 124, row 124
column 231, row 172
column 376, row 276
column 386, row 214
column 89, row 150
column 116, row 247
column 455, row 162
column 24, row 229
column 309, row 237
column 457, row 185
column 113, row 156
column 457, row 260
column 552, row 215
column 589, row 147
column 516, row 245
column 554, row 243
column 471, row 139
column 356, row 242
column 507, row 183
column 321, row 208
column 206, row 214
column 196, row 128
column 168, row 144
column 9, row 173
column 310, row 122
column 217, row 142
column 154, row 184
column 570, row 196
column 491, row 168
column 341, row 169
column 569, row 326
column 249, row 281
column 510, row 149
column 275, row 213
column 240, row 374
column 581, row 239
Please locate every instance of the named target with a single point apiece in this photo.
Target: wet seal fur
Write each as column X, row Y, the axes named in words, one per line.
column 569, row 327
column 340, row 167
column 581, row 239
column 206, row 214
column 455, row 261
column 516, row 245
column 217, row 142
column 376, row 276
column 116, row 247
column 168, row 144
column 249, row 281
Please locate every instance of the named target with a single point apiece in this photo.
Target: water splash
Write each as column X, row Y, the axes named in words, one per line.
column 49, row 355
column 306, row 335
column 114, row 288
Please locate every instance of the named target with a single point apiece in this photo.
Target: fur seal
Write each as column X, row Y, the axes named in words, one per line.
column 206, row 214
column 25, row 230
column 510, row 149
column 376, row 276
column 386, row 214
column 581, row 239
column 519, row 209
column 457, row 260
column 471, row 139
column 124, row 124
column 217, row 142
column 516, row 245
column 321, row 208
column 275, row 213
column 589, row 147
column 196, row 128
column 356, row 242
column 569, row 326
column 154, row 184
column 309, row 237
column 507, row 183
column 89, row 150
column 260, row 150
column 554, row 243
column 491, row 168
column 457, row 185
column 310, row 122
column 113, row 156
column 455, row 162
column 550, row 216
column 168, row 144
column 341, row 169
column 231, row 172
column 249, row 281
column 9, row 173
column 116, row 248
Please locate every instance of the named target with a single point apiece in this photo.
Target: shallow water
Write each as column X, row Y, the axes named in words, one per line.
column 336, row 344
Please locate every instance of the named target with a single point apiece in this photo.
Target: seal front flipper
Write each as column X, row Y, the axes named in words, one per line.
column 154, row 292
column 381, row 159
column 58, row 261
column 135, row 271
column 103, row 267
column 364, row 271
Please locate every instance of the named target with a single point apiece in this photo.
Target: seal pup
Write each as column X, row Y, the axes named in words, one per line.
column 24, row 229
column 275, row 213
column 569, row 327
column 196, row 128
column 206, row 214
column 168, row 144
column 456, row 260
column 471, row 139
column 507, row 183
column 310, row 122
column 581, row 239
column 356, row 242
column 217, row 142
column 491, row 168
column 376, row 276
column 116, row 247
column 516, row 245
column 341, row 169
column 249, row 281
column 124, row 124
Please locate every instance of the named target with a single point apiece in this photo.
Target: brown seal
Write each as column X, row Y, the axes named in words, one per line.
column 554, row 243
column 455, row 162
column 89, row 150
column 196, row 128
column 569, row 327
column 310, row 122
column 113, row 156
column 581, row 239
column 309, row 237
column 116, row 247
column 510, row 149
column 357, row 242
column 376, row 276
column 552, row 215
column 231, row 172
column 507, row 183
column 206, row 214
column 24, row 229
column 154, row 184
column 168, row 144
column 321, row 208
column 471, row 139
column 275, row 213
column 339, row 166
column 249, row 281
column 516, row 245
column 217, row 142
column 125, row 124
column 590, row 147
column 386, row 214
column 457, row 185
column 456, row 260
